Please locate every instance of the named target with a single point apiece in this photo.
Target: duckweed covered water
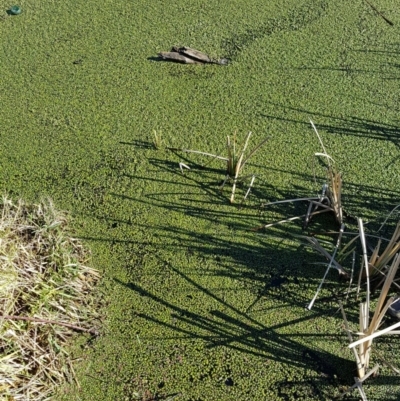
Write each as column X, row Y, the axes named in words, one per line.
column 198, row 305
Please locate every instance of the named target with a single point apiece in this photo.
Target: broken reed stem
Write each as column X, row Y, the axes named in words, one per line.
column 320, row 140
column 385, row 362
column 346, row 325
column 374, row 335
column 250, row 186
column 368, row 331
column 351, row 274
column 37, row 320
column 323, row 192
column 384, row 276
column 293, row 200
column 316, row 245
column 254, row 150
column 358, row 383
column 360, row 389
column 235, row 159
column 391, row 249
column 199, row 153
column 387, row 218
column 364, row 249
column 236, row 165
column 329, row 267
column 321, row 198
column 385, row 289
column 363, row 350
column 334, row 192
column 291, row 219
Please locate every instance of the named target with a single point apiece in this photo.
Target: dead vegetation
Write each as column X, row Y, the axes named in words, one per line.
column 45, row 297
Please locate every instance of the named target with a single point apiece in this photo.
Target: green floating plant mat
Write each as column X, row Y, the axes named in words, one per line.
column 198, row 306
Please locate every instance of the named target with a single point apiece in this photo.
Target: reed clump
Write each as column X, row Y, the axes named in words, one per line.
column 235, row 159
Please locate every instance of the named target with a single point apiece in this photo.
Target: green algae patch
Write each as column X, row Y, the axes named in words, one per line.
column 199, row 306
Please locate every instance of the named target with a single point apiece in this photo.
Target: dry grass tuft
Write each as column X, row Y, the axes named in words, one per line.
column 44, row 298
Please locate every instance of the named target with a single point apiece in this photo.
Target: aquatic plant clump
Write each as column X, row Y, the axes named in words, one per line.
column 45, row 297
column 235, row 161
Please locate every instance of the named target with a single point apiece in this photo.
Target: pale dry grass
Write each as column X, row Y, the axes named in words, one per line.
column 45, row 289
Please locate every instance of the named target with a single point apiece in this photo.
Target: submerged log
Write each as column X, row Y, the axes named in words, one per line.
column 177, row 57
column 188, row 55
column 194, row 54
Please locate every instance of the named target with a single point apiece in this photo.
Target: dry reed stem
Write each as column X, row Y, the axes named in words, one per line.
column 235, row 160
column 332, row 259
column 369, row 330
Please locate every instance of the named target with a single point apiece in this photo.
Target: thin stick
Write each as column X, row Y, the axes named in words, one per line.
column 380, row 228
column 346, row 324
column 376, row 334
column 292, row 200
column 223, row 184
column 351, row 274
column 316, row 245
column 37, row 320
column 238, row 167
column 316, row 204
column 292, row 219
column 350, row 233
column 199, row 153
column 320, row 140
column 181, row 165
column 359, row 280
column 310, row 305
column 364, row 350
column 250, row 186
column 358, row 384
column 254, row 150
column 364, row 249
column 379, row 356
column 359, row 381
